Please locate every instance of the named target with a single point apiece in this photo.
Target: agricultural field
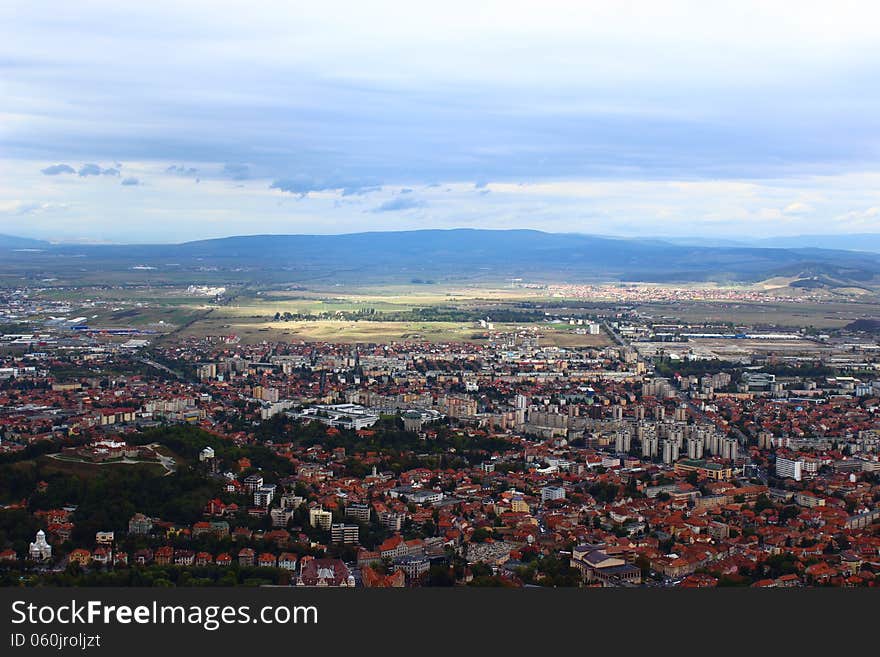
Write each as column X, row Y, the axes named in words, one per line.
column 430, row 312
column 347, row 331
column 393, row 314
column 830, row 315
column 732, row 349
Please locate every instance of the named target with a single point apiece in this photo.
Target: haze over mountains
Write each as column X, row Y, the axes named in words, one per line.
column 869, row 242
column 13, row 242
column 465, row 254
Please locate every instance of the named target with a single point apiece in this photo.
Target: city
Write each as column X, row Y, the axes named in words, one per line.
column 477, row 326
column 588, row 441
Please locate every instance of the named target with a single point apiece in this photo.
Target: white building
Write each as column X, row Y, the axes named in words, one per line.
column 360, row 512
column 789, row 468
column 695, row 448
column 670, row 451
column 345, row 534
column 320, row 519
column 40, row 550
column 264, row 495
column 552, row 493
column 729, row 449
column 343, row 416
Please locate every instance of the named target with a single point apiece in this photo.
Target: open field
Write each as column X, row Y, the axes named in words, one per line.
column 420, row 294
column 160, row 309
column 415, row 312
column 379, row 331
column 829, row 315
column 250, row 315
column 733, row 349
column 83, row 469
column 381, row 299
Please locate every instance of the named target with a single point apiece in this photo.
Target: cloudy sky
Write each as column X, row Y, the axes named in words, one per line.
column 166, row 121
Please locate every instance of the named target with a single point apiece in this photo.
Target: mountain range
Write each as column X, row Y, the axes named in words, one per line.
column 458, row 254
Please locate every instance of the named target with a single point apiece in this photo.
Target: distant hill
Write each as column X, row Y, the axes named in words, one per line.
column 463, row 254
column 526, row 252
column 852, row 242
column 13, row 242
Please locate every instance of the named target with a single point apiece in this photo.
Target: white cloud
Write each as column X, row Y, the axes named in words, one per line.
column 168, row 207
column 797, row 208
column 21, row 207
column 769, row 213
column 633, row 117
column 868, row 218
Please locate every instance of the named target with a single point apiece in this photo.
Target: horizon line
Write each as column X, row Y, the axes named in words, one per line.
column 669, row 238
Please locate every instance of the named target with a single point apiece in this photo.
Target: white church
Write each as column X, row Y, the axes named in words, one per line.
column 40, row 550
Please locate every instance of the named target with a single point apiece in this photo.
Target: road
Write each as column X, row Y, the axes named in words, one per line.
column 152, row 363
column 681, row 394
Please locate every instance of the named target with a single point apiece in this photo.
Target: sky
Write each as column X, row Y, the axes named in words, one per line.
column 171, row 121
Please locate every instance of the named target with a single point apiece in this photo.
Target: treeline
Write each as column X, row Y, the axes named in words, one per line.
column 105, row 501
column 426, row 314
column 188, row 441
column 668, row 367
column 33, row 450
column 808, row 371
column 386, row 437
column 108, row 500
column 17, row 530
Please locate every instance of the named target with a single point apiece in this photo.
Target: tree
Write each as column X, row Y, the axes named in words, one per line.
column 441, row 575
column 763, row 503
column 480, row 535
